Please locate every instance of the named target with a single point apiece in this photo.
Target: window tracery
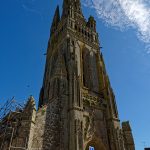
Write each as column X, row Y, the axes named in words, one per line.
column 90, row 71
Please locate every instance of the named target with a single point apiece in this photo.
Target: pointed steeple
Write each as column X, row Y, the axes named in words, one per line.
column 30, row 104
column 56, row 20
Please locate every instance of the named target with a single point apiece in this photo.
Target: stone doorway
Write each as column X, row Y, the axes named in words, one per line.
column 95, row 144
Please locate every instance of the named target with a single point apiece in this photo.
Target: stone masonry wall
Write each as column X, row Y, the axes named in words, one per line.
column 39, row 129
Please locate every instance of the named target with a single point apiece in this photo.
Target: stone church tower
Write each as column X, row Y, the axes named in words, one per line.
column 81, row 106
column 77, row 108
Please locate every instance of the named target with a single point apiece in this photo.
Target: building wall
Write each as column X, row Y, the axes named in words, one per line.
column 18, row 128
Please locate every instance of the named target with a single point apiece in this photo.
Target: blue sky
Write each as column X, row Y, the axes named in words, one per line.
column 24, row 33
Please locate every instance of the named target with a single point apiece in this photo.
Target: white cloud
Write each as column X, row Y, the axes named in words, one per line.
column 29, row 6
column 124, row 14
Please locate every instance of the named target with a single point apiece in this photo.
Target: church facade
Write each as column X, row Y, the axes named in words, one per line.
column 77, row 108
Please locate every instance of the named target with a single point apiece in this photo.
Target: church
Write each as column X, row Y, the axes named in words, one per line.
column 77, row 109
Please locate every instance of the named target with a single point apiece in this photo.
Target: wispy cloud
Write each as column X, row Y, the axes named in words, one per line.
column 32, row 10
column 123, row 14
column 29, row 6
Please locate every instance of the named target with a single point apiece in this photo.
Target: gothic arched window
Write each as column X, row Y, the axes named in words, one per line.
column 86, row 69
column 90, row 71
column 94, row 70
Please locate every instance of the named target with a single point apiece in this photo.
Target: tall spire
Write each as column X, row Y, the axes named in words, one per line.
column 56, row 20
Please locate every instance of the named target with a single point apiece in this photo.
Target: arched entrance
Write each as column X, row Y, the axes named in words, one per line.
column 95, row 144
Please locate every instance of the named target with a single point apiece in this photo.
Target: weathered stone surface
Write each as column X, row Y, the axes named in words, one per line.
column 38, row 133
column 77, row 106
